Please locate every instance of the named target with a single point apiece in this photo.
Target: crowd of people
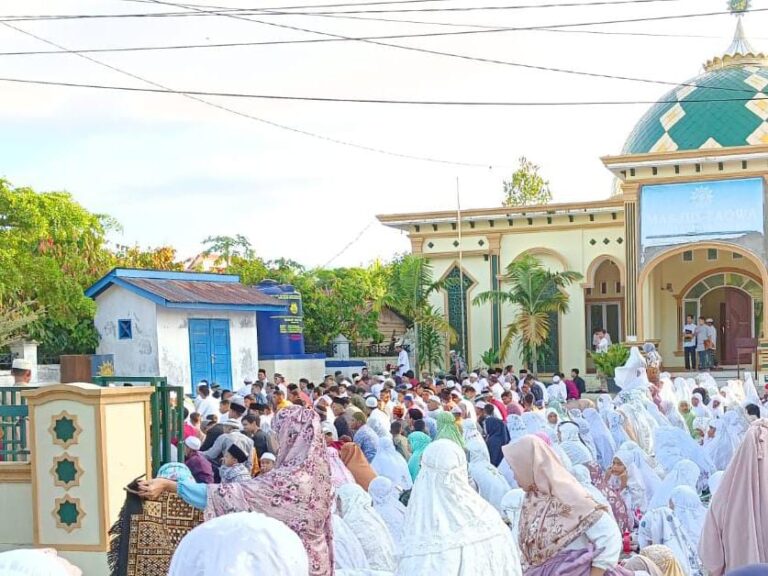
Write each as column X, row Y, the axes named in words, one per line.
column 492, row 473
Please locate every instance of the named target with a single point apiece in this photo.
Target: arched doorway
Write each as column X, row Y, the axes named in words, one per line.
column 734, row 301
column 604, row 300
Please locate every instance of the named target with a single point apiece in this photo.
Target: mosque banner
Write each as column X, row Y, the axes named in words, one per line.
column 723, row 210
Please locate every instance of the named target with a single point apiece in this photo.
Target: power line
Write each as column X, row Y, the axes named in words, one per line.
column 350, row 243
column 259, row 119
column 389, row 101
column 478, row 58
column 281, row 11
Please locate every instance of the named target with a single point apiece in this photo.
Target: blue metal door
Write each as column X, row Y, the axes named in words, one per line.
column 210, row 357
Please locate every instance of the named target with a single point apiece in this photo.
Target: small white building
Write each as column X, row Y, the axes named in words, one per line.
column 185, row 326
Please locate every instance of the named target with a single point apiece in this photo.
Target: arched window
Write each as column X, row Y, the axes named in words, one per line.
column 457, row 287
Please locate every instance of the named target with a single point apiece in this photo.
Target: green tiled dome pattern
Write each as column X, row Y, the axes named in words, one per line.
column 677, row 123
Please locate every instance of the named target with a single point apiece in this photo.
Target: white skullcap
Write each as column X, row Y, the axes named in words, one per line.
column 224, row 546
column 21, row 364
column 371, row 402
column 268, row 456
column 193, row 443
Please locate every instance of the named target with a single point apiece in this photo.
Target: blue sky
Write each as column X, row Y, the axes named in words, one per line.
column 175, row 171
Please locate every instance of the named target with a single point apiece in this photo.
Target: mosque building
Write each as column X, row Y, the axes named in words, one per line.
column 684, row 234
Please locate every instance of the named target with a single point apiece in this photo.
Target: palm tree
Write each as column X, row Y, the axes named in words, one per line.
column 535, row 292
column 408, row 293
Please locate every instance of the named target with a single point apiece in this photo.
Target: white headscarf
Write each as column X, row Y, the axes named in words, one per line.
column 682, row 390
column 511, row 507
column 348, row 553
column 684, row 473
column 714, row 482
column 385, row 500
column 661, row 527
column 615, row 422
column 700, row 411
column 572, row 444
column 452, row 530
column 224, row 546
column 516, row 427
column 690, row 512
column 674, row 445
column 639, row 470
column 471, row 431
column 489, row 481
column 671, row 412
column 632, row 375
column 40, row 562
column 356, row 508
column 604, row 442
column 534, row 422
column 723, row 446
column 388, row 462
column 719, row 410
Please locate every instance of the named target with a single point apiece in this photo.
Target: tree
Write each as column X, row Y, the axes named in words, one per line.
column 14, row 322
column 535, row 293
column 527, row 187
column 51, row 249
column 162, row 258
column 410, row 288
column 227, row 247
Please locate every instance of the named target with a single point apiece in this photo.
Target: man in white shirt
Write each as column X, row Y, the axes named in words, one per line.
column 712, row 335
column 403, row 362
column 602, row 342
column 689, row 343
column 207, row 404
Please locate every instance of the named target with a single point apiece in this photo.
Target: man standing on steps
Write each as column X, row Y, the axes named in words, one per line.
column 689, row 343
column 403, row 362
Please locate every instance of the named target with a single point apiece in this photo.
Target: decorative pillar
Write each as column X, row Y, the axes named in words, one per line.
column 87, row 443
column 631, row 244
column 417, row 245
column 494, row 250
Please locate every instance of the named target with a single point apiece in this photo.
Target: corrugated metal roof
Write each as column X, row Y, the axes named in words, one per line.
column 197, row 292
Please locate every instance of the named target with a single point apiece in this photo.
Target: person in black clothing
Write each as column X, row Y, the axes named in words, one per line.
column 236, row 411
column 579, row 381
column 341, row 423
column 252, row 429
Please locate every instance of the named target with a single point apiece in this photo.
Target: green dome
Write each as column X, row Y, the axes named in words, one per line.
column 680, row 121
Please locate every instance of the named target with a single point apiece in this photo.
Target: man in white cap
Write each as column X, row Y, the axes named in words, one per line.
column 199, row 466
column 21, row 370
column 247, row 388
column 377, row 418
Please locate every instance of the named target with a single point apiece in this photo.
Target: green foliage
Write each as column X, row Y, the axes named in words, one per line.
column 227, row 247
column 535, row 293
column 607, row 362
column 527, row 187
column 51, row 249
column 408, row 294
column 162, row 258
column 490, row 358
column 15, row 321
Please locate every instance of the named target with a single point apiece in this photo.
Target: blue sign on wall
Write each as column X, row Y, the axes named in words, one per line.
column 673, row 214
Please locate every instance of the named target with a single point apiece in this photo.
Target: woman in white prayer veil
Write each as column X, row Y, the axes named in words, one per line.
column 388, row 462
column 385, row 498
column 642, row 483
column 573, row 446
column 682, row 390
column 534, row 422
column 714, row 483
column 615, row 422
column 490, row 483
column 717, row 406
column 516, row 427
column 585, row 432
column 723, row 446
column 348, row 553
column 671, row 412
column 451, row 530
column 470, row 430
column 661, row 527
column 667, row 388
column 37, row 562
column 604, row 442
column 511, row 507
column 689, row 511
column 750, row 392
column 356, row 508
column 674, row 445
column 684, row 473
column 240, row 543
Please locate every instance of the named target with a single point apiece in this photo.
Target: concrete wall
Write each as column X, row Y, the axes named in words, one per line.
column 173, row 344
column 46, row 374
column 313, row 369
column 16, row 506
column 137, row 356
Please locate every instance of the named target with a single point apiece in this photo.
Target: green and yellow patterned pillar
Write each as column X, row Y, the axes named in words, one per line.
column 87, row 443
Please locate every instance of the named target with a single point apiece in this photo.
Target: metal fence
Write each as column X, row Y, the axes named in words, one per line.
column 356, row 349
column 167, row 409
column 14, row 414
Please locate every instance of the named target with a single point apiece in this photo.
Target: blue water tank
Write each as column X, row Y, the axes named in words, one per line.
column 281, row 333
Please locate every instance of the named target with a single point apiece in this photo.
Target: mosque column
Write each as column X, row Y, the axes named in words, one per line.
column 494, row 257
column 631, row 193
column 417, row 245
